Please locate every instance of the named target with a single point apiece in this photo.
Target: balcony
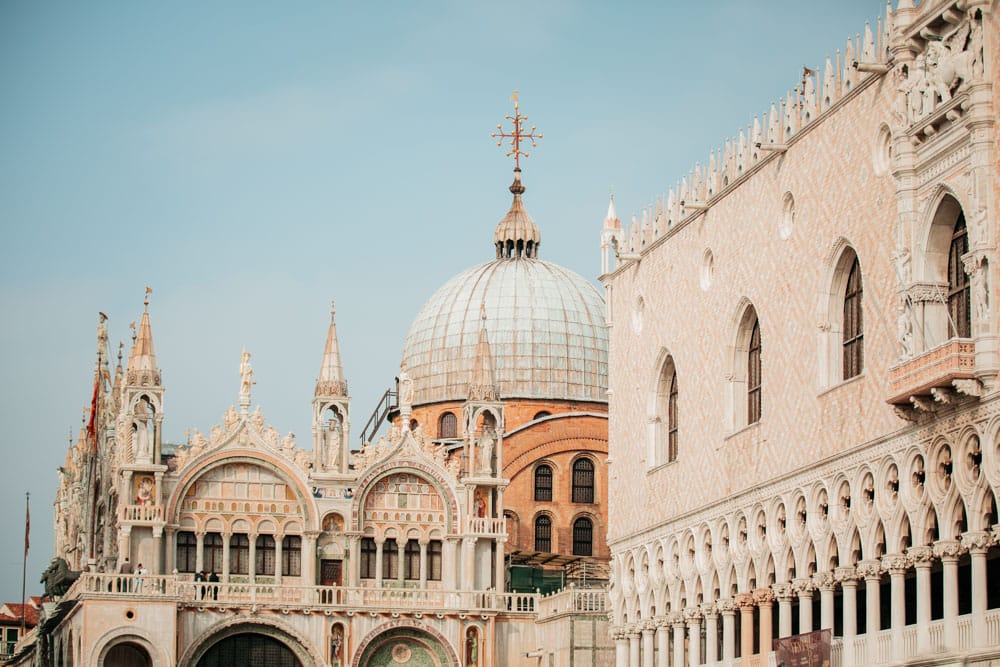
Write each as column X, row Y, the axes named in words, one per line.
column 141, row 515
column 181, row 590
column 932, row 373
column 484, row 525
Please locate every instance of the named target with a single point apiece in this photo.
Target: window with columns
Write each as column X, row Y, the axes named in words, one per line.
column 264, row 555
column 187, row 551
column 291, row 556
column 212, row 553
column 411, row 558
column 239, row 554
column 368, row 555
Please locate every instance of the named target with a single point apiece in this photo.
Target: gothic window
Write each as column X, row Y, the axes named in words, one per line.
column 291, row 556
column 448, row 426
column 583, row 537
column 390, row 560
column 239, row 554
column 264, row 555
column 543, row 483
column 212, row 553
column 434, row 560
column 187, row 551
column 959, row 304
column 672, row 419
column 753, row 375
column 543, row 533
column 854, row 329
column 411, row 555
column 665, row 434
column 369, row 552
column 583, row 481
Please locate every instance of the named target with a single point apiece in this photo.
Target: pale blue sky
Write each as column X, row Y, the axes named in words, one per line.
column 253, row 161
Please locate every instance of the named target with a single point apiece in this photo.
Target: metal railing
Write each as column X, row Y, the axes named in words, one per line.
column 386, row 404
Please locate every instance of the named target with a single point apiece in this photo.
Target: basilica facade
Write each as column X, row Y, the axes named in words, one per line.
column 421, row 547
column 805, row 418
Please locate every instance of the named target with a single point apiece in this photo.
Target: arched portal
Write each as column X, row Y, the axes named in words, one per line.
column 127, row 654
column 249, row 649
column 408, row 645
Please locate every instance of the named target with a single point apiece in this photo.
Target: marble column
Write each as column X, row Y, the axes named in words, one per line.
column 633, row 648
column 677, row 620
column 199, row 554
column 826, row 583
column 225, row 555
column 499, row 575
column 804, row 589
column 727, row 607
column 621, row 649
column 871, row 570
column 469, row 563
column 400, row 560
column 157, row 565
column 170, row 552
column 784, row 593
column 662, row 642
column 848, row 580
column 379, row 559
column 692, row 617
column 647, row 644
column 354, row 571
column 423, row 561
column 978, row 544
column 252, row 565
column 278, row 548
column 746, row 605
column 764, row 599
column 949, row 551
column 711, row 616
column 897, row 565
column 923, row 558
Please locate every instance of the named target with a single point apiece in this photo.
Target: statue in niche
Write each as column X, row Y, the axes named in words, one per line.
column 904, row 328
column 980, row 294
column 336, row 641
column 487, row 442
column 144, row 490
column 471, row 647
column 331, row 444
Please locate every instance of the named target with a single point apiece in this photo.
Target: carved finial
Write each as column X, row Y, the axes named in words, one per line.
column 145, row 300
column 131, row 328
column 121, row 346
column 333, row 309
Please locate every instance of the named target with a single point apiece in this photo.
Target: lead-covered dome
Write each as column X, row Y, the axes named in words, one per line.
column 546, row 328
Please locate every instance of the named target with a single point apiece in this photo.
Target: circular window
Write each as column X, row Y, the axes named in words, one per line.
column 882, row 151
column 130, row 614
column 787, row 216
column 707, row 270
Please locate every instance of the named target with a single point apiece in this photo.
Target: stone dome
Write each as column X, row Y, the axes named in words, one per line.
column 546, row 328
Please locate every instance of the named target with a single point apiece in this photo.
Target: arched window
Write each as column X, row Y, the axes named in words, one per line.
column 753, row 374
column 369, row 552
column 854, row 328
column 264, row 555
column 665, row 433
column 543, row 533
column 239, row 554
column 390, row 559
column 959, row 302
column 543, row 483
column 434, row 560
column 411, row 555
column 583, row 481
column 448, row 426
column 291, row 556
column 583, row 537
column 212, row 553
column 187, row 551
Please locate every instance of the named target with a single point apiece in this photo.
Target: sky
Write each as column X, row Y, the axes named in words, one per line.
column 252, row 162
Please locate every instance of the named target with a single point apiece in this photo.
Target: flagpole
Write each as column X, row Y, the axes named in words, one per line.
column 24, row 568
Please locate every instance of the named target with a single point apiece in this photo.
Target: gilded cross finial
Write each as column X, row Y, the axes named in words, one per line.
column 517, row 135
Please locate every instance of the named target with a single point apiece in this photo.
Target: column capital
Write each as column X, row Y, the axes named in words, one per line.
column 825, row 581
column 676, row 619
column 661, row 621
column 692, row 615
column 896, row 564
column 726, row 606
column 710, row 610
column 870, row 569
column 745, row 601
column 763, row 596
column 803, row 587
column 948, row 550
column 978, row 541
column 920, row 556
column 648, row 627
column 846, row 576
column 783, row 591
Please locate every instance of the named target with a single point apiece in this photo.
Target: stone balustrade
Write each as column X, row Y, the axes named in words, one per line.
column 937, row 368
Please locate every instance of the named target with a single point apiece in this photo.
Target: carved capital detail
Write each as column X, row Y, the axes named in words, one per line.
column 895, row 563
column 948, row 549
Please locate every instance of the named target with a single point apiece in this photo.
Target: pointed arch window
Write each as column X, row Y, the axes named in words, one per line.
column 753, row 375
column 583, row 481
column 543, row 533
column 543, row 483
column 583, row 537
column 959, row 297
column 448, row 426
column 854, row 328
column 665, row 438
column 672, row 419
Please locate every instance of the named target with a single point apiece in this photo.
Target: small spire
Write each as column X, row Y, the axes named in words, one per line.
column 331, row 381
column 142, row 358
column 483, row 384
column 611, row 221
column 516, row 234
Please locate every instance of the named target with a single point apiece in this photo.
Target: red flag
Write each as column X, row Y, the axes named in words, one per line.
column 91, row 424
column 27, row 528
